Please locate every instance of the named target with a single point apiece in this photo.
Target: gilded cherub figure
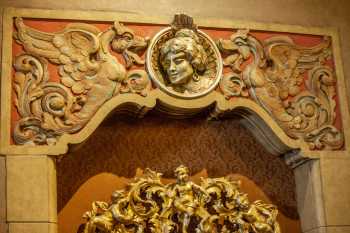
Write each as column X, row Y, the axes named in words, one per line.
column 101, row 216
column 188, row 200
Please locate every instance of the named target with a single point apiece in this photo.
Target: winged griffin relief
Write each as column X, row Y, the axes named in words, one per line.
column 272, row 72
column 89, row 75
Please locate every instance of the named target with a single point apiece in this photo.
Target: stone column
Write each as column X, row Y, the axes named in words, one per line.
column 323, row 195
column 31, row 194
column 3, row 225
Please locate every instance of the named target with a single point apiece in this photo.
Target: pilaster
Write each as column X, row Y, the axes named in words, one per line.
column 31, row 194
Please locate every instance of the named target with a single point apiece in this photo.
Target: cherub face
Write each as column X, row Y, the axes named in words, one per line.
column 179, row 70
column 182, row 175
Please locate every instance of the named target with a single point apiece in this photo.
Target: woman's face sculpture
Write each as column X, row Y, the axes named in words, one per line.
column 178, row 69
column 184, row 61
column 182, row 57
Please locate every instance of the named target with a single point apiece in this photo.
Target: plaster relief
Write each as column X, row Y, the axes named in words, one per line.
column 181, row 70
column 274, row 78
column 89, row 76
column 183, row 61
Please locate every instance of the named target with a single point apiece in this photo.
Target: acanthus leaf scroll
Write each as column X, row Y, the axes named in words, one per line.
column 148, row 205
column 274, row 79
column 88, row 72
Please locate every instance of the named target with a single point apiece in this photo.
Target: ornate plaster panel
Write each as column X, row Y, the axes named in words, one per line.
column 62, row 76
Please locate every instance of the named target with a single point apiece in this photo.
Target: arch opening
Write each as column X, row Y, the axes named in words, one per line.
column 125, row 145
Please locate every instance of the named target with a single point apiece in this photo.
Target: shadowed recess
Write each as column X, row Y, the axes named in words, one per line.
column 121, row 145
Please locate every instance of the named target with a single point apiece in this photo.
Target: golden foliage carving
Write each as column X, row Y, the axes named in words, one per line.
column 147, row 205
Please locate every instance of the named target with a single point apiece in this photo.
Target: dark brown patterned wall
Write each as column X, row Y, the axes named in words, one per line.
column 121, row 145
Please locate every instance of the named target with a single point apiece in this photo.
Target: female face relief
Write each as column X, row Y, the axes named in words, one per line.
column 179, row 70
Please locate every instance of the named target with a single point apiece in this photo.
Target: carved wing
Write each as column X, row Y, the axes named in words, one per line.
column 50, row 105
column 283, row 51
column 74, row 42
column 289, row 61
column 70, row 48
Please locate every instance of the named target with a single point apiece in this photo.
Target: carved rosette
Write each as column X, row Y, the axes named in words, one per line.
column 231, row 84
column 147, row 205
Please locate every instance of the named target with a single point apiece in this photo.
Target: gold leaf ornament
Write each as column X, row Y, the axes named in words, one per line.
column 147, row 205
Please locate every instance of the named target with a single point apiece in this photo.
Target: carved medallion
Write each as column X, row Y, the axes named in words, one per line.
column 183, row 61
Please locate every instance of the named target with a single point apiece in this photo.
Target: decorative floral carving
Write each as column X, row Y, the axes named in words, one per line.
column 89, row 76
column 231, row 84
column 275, row 80
column 147, row 205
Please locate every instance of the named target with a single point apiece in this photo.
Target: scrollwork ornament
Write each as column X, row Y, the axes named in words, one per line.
column 231, row 84
column 273, row 72
column 42, row 104
column 294, row 84
column 89, row 76
column 137, row 82
column 147, row 205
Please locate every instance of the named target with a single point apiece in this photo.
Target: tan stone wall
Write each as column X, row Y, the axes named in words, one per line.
column 300, row 12
column 2, row 194
column 307, row 13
